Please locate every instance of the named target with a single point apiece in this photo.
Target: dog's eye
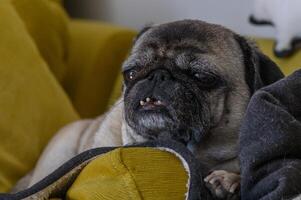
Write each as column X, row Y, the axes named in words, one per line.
column 130, row 74
column 206, row 78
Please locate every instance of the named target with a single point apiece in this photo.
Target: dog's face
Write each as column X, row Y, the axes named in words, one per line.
column 184, row 79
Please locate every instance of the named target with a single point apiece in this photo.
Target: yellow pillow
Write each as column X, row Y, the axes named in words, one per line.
column 47, row 24
column 287, row 65
column 60, row 2
column 33, row 106
column 131, row 173
column 97, row 51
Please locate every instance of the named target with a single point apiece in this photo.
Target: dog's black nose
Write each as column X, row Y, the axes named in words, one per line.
column 159, row 75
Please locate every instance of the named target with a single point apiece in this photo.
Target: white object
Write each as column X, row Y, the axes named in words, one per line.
column 285, row 15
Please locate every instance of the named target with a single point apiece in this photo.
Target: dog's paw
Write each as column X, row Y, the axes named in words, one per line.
column 223, row 184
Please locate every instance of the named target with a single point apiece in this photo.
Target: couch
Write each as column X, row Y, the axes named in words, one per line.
column 55, row 70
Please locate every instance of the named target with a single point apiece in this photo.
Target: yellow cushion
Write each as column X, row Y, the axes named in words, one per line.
column 287, row 65
column 96, row 53
column 47, row 24
column 131, row 173
column 60, row 2
column 33, row 106
column 116, row 92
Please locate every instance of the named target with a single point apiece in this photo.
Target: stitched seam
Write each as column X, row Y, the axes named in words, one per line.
column 126, row 183
column 131, row 175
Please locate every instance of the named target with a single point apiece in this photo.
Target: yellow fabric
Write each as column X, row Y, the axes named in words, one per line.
column 85, row 57
column 287, row 65
column 33, row 106
column 96, row 53
column 47, row 25
column 131, row 173
column 58, row 1
column 117, row 90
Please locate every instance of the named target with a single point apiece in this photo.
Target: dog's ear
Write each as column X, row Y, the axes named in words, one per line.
column 259, row 69
column 141, row 32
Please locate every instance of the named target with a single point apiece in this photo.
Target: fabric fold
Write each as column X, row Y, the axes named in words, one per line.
column 270, row 142
column 170, row 170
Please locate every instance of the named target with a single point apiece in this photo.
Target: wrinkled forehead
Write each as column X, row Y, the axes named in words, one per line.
column 196, row 33
column 185, row 39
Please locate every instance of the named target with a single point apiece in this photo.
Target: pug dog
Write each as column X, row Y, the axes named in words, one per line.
column 188, row 81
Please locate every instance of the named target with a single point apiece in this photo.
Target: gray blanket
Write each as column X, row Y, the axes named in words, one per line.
column 270, row 151
column 270, row 142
